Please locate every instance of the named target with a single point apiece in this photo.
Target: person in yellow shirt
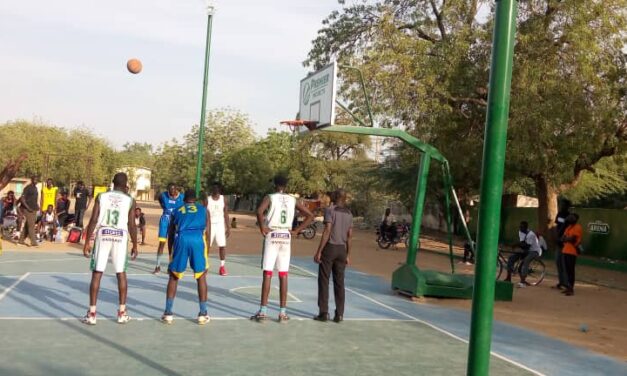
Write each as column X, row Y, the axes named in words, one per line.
column 49, row 195
column 571, row 240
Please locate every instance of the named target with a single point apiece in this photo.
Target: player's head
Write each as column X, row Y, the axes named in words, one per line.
column 120, row 181
column 572, row 218
column 280, row 182
column 216, row 188
column 340, row 197
column 190, row 195
column 80, row 184
column 64, row 193
column 138, row 211
column 524, row 227
column 388, row 211
column 11, row 194
column 172, row 191
column 34, row 179
column 50, row 208
column 49, row 183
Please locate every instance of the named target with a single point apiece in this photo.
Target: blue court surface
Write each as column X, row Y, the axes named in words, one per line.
column 42, row 295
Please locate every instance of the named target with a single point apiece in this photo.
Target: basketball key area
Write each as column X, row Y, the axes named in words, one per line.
column 42, row 296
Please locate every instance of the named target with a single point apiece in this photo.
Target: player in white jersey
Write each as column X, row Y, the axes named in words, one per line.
column 275, row 226
column 111, row 220
column 217, row 205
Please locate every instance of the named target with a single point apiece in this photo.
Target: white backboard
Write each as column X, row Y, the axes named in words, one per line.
column 317, row 96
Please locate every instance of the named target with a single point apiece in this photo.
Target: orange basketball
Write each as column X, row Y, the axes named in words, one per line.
column 134, row 66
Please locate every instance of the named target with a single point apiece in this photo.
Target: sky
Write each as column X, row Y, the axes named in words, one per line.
column 63, row 62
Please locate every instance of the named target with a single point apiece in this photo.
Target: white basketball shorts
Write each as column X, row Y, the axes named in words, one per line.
column 218, row 234
column 113, row 242
column 277, row 248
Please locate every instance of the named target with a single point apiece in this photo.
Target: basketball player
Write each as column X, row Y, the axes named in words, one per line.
column 192, row 229
column 219, row 213
column 169, row 200
column 275, row 228
column 110, row 220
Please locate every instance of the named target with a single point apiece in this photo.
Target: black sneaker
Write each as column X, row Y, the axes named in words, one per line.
column 338, row 318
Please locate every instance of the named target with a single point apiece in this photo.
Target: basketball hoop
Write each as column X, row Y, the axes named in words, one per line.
column 296, row 124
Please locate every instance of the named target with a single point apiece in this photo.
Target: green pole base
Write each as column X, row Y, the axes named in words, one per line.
column 410, row 280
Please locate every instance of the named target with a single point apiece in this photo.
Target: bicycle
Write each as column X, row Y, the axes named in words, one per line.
column 535, row 274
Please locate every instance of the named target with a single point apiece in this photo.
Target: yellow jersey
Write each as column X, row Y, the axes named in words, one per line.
column 49, row 196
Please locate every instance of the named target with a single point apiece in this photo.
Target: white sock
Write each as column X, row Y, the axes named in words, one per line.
column 122, row 307
column 92, row 309
column 222, row 262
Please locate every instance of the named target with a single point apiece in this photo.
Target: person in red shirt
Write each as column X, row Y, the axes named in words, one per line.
column 571, row 240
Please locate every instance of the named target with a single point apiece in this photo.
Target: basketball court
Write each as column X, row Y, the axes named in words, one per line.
column 43, row 295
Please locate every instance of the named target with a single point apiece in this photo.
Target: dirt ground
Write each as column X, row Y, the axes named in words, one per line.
column 600, row 301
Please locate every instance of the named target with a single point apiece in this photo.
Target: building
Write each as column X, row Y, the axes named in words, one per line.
column 17, row 186
column 139, row 182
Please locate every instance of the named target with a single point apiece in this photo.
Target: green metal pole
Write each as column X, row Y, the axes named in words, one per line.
column 449, row 218
column 492, row 186
column 419, row 205
column 201, row 128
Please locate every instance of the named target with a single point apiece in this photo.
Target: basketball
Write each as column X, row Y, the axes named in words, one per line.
column 134, row 66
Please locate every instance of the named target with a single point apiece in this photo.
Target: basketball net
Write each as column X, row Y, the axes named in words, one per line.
column 294, row 125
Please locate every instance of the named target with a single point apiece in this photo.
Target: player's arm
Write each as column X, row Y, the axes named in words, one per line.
column 261, row 209
column 349, row 245
column 90, row 228
column 309, row 217
column 132, row 229
column 226, row 217
column 161, row 203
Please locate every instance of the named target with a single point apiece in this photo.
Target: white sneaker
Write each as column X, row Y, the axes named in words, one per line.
column 167, row 318
column 521, row 285
column 203, row 319
column 123, row 317
column 89, row 318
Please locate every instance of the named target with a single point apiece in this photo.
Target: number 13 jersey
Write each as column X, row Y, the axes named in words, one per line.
column 114, row 209
column 281, row 212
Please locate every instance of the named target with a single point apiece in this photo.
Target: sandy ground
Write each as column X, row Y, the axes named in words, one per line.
column 600, row 302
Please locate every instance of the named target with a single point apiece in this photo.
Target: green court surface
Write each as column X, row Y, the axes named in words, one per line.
column 42, row 295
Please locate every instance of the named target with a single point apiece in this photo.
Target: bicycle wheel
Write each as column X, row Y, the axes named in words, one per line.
column 536, row 273
column 383, row 243
column 309, row 232
column 499, row 267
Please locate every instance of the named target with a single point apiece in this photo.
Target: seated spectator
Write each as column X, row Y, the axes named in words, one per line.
column 48, row 224
column 8, row 205
column 62, row 209
column 140, row 221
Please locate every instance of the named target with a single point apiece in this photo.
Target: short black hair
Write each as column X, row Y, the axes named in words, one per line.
column 190, row 194
column 524, row 223
column 170, row 185
column 280, row 181
column 80, row 182
column 120, row 180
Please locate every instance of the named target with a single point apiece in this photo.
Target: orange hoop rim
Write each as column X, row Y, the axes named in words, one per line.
column 293, row 124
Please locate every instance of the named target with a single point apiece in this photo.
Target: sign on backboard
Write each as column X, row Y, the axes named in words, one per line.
column 317, row 96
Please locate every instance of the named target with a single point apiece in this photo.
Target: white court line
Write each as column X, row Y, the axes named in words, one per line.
column 443, row 331
column 133, row 318
column 42, row 260
column 8, row 289
column 138, row 275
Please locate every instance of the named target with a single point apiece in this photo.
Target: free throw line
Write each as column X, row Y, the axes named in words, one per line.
column 8, row 289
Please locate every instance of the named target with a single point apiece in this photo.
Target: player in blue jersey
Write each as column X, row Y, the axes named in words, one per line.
column 169, row 200
column 193, row 230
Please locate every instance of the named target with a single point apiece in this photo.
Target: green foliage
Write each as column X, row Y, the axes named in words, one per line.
column 605, row 185
column 63, row 155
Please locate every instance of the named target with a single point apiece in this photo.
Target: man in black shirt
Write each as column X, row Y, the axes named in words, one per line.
column 63, row 208
column 29, row 203
column 560, row 227
column 82, row 202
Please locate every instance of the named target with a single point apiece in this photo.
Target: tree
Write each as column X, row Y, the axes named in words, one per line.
column 427, row 64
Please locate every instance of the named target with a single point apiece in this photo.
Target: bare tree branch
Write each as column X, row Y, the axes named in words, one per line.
column 438, row 17
column 421, row 33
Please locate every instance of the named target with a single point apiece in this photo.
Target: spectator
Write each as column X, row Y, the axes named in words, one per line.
column 8, row 204
column 530, row 250
column 560, row 227
column 48, row 224
column 571, row 240
column 63, row 208
column 48, row 194
column 83, row 199
column 29, row 204
column 388, row 225
column 140, row 222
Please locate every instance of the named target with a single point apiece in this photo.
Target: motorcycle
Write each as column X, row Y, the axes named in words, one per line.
column 388, row 238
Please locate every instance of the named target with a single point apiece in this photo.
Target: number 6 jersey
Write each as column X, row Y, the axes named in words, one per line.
column 281, row 212
column 114, row 209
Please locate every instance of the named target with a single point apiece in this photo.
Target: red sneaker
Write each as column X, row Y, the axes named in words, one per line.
column 223, row 271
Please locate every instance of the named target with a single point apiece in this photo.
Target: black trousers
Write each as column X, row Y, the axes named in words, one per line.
column 80, row 213
column 332, row 262
column 569, row 265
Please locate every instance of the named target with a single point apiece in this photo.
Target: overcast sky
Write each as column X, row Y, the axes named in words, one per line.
column 64, row 62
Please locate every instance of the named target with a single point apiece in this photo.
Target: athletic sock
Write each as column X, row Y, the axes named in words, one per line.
column 169, row 303
column 222, row 262
column 158, row 260
column 263, row 309
column 122, row 307
column 92, row 309
column 203, row 307
column 283, row 311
